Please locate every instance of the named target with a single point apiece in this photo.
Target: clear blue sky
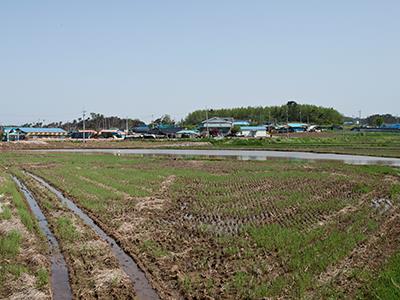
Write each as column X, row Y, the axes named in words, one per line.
column 143, row 58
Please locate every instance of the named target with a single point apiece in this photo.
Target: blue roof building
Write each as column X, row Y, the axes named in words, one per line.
column 241, row 123
column 391, row 126
column 297, row 127
column 21, row 133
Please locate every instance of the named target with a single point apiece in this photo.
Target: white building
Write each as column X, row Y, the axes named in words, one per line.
column 253, row 131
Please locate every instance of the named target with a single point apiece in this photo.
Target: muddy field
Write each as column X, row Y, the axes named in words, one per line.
column 210, row 228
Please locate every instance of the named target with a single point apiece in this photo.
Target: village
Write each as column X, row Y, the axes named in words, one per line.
column 215, row 127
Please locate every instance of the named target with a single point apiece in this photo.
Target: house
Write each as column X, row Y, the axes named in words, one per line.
column 216, row 126
column 253, row 131
column 21, row 133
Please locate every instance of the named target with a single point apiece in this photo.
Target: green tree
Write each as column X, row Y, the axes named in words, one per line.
column 235, row 130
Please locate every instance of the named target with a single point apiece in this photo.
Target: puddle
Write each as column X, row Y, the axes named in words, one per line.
column 60, row 287
column 142, row 286
column 245, row 155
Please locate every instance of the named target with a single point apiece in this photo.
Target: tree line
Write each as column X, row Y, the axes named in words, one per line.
column 291, row 112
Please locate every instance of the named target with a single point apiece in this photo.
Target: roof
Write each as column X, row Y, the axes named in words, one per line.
column 88, row 131
column 392, row 126
column 253, row 128
column 141, row 129
column 188, row 132
column 218, row 120
column 166, row 130
column 297, row 125
column 110, row 131
column 40, row 130
column 241, row 123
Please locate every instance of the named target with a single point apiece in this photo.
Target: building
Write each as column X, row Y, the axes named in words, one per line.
column 253, row 131
column 111, row 134
column 23, row 133
column 297, row 127
column 241, row 123
column 169, row 131
column 187, row 134
column 392, row 126
column 141, row 129
column 80, row 134
column 216, row 126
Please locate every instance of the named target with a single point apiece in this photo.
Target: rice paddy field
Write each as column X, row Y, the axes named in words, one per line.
column 204, row 228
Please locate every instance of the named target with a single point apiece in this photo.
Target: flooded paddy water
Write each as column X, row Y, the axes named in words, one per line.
column 245, row 155
column 60, row 286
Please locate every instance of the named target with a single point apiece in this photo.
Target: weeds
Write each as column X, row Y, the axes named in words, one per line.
column 42, row 278
column 66, row 229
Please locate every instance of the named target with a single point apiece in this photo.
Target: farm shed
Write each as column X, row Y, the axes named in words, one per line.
column 253, row 131
column 20, row 133
column 297, row 127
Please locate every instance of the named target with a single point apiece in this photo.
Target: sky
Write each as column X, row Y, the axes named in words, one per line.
column 143, row 59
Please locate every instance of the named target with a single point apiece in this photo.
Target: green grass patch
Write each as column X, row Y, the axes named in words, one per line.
column 42, row 277
column 6, row 214
column 10, row 244
column 66, row 229
column 387, row 284
column 154, row 248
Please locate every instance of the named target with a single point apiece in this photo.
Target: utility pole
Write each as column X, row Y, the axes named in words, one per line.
column 300, row 116
column 359, row 116
column 208, row 132
column 287, row 120
column 127, row 125
column 84, row 125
